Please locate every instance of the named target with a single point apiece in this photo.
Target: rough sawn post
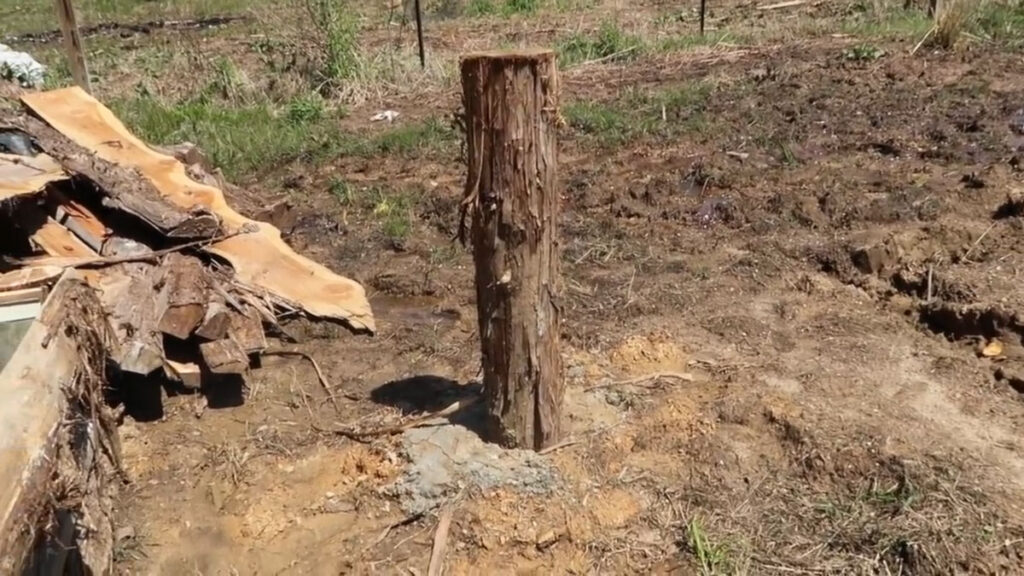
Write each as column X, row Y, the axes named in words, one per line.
column 511, row 115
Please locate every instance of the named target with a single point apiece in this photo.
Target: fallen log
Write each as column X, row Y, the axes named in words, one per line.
column 125, row 190
column 187, row 295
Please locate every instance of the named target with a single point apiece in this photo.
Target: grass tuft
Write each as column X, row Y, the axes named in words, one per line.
column 711, row 558
column 661, row 114
column 610, row 42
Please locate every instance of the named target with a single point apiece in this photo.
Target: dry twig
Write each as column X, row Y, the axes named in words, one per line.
column 440, row 542
column 316, row 367
column 399, row 428
column 646, row 380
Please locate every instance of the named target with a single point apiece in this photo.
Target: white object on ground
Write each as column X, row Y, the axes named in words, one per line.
column 388, row 115
column 21, row 67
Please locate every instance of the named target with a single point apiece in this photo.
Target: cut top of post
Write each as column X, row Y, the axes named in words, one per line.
column 512, row 54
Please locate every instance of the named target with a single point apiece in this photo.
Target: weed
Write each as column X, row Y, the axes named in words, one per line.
column 607, row 123
column 338, row 29
column 429, row 135
column 886, row 20
column 343, row 192
column 521, row 6
column 306, row 109
column 711, row 558
column 394, row 212
column 476, row 8
column 610, row 42
column 863, row 53
column 444, row 254
column 1001, row 21
column 227, row 82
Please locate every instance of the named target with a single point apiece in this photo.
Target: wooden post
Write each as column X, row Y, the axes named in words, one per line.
column 511, row 103
column 73, row 44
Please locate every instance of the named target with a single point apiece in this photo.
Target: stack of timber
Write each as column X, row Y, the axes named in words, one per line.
column 114, row 254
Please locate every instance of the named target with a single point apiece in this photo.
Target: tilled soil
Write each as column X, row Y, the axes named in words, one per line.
column 831, row 256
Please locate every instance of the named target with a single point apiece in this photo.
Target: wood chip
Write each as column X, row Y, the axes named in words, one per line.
column 440, row 543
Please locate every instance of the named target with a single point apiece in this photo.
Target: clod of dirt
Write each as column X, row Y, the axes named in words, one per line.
column 874, row 258
column 446, row 459
column 972, row 181
column 1012, row 207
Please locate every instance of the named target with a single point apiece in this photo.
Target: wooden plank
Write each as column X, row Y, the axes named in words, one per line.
column 21, row 175
column 29, row 276
column 30, row 416
column 57, row 240
column 79, row 220
column 21, row 296
column 261, row 259
column 73, row 43
column 188, row 373
column 224, row 357
column 512, row 195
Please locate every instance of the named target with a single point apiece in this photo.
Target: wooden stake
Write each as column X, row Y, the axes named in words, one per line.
column 73, row 44
column 511, row 107
column 703, row 8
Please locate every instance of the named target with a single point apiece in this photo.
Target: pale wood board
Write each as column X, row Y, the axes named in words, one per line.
column 261, row 259
column 29, row 276
column 30, row 415
column 20, row 175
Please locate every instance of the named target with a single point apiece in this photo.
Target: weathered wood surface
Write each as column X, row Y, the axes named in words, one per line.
column 188, row 291
column 32, row 406
column 124, row 188
column 20, row 175
column 511, row 193
column 260, row 259
column 224, row 357
column 73, row 48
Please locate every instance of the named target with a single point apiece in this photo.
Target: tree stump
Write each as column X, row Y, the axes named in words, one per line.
column 511, row 113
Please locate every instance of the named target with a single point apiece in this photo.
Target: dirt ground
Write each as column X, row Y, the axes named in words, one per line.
column 834, row 257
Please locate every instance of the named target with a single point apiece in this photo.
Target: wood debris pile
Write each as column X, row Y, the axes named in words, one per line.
column 116, row 258
column 188, row 283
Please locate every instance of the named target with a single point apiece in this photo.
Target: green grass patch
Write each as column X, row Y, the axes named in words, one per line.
column 609, row 42
column 477, row 8
column 391, row 209
column 890, row 21
column 1001, row 22
column 247, row 138
column 659, row 114
column 712, row 558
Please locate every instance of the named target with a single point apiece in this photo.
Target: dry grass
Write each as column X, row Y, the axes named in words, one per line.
column 954, row 19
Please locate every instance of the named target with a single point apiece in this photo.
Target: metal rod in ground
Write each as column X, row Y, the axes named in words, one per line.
column 703, row 7
column 419, row 34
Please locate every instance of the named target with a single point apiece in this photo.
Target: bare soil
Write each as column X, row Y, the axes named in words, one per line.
column 828, row 258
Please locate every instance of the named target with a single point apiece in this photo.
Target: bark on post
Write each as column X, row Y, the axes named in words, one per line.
column 512, row 196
